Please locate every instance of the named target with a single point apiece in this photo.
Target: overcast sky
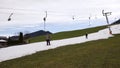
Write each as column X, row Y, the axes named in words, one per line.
column 31, row 12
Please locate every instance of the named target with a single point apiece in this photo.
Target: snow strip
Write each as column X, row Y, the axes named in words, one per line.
column 27, row 49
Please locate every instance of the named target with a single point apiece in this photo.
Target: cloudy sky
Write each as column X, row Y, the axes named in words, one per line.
column 29, row 13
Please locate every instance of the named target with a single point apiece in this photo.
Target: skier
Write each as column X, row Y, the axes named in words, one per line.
column 86, row 36
column 48, row 39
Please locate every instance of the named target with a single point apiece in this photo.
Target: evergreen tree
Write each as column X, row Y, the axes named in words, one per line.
column 21, row 39
column 9, row 41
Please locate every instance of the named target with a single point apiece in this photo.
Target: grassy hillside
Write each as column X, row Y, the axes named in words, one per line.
column 67, row 34
column 95, row 54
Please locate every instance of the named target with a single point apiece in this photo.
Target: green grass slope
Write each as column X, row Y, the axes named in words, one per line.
column 103, row 53
column 67, row 34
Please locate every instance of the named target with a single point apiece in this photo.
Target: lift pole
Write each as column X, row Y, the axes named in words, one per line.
column 106, row 14
column 45, row 20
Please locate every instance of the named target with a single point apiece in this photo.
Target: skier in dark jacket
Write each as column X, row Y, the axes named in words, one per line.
column 48, row 38
column 86, row 35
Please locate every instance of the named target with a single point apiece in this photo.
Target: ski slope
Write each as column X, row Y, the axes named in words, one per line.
column 27, row 49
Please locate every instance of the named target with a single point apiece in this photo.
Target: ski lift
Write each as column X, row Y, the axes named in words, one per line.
column 89, row 21
column 44, row 19
column 9, row 18
column 73, row 18
column 89, row 18
column 106, row 14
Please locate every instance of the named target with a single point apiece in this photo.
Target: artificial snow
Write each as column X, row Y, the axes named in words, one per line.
column 27, row 49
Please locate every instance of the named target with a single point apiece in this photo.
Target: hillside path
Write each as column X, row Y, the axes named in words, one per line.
column 27, row 49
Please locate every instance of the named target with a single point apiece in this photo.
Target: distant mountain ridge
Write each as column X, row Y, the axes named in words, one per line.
column 33, row 34
column 116, row 22
column 37, row 33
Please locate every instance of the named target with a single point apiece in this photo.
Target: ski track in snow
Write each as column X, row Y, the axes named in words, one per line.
column 28, row 49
